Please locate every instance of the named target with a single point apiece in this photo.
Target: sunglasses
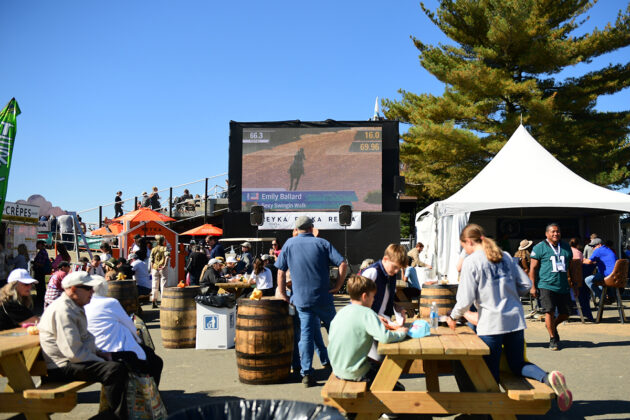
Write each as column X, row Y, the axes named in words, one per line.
column 88, row 288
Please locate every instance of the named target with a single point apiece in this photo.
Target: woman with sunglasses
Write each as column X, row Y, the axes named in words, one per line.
column 16, row 304
column 275, row 249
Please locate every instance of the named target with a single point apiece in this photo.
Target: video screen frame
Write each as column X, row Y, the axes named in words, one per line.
column 389, row 154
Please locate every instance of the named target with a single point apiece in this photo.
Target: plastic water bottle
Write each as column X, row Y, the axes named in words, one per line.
column 434, row 316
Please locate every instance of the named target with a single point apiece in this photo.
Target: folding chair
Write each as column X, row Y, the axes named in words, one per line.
column 617, row 280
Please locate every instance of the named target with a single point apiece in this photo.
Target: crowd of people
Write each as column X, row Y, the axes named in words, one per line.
column 88, row 336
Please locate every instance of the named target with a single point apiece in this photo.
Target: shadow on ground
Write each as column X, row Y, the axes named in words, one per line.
column 584, row 409
column 176, row 400
column 569, row 344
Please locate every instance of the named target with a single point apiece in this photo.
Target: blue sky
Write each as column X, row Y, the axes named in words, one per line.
column 127, row 95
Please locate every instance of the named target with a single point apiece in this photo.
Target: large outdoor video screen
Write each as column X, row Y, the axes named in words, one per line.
column 312, row 168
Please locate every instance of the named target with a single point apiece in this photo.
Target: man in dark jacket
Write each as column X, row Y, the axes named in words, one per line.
column 211, row 276
column 196, row 261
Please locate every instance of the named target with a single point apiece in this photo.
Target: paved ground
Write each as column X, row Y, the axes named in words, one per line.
column 594, row 358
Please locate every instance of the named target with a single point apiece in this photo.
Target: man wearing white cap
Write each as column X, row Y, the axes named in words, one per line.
column 308, row 258
column 69, row 349
column 211, row 276
column 16, row 303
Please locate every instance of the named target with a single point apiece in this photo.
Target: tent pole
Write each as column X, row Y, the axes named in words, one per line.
column 436, row 262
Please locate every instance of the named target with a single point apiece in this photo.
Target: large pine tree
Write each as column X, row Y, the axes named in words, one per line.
column 501, row 66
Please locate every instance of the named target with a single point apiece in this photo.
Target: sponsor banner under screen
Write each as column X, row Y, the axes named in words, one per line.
column 323, row 220
column 303, row 200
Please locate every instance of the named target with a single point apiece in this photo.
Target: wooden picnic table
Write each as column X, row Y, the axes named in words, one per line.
column 236, row 287
column 430, row 355
column 18, row 354
column 20, row 360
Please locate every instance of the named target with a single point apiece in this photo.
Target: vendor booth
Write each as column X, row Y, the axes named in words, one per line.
column 150, row 229
column 521, row 190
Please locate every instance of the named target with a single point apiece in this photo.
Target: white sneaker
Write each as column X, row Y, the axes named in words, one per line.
column 559, row 385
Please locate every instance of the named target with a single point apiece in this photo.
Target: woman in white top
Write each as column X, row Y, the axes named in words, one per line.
column 493, row 282
column 115, row 332
column 261, row 276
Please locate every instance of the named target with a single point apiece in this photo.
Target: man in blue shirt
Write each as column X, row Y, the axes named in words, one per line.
column 309, row 258
column 605, row 260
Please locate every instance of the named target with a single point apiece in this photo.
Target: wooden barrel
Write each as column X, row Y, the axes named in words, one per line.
column 442, row 294
column 126, row 292
column 178, row 317
column 264, row 341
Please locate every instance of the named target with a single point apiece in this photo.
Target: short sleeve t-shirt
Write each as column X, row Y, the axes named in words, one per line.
column 554, row 263
column 605, row 259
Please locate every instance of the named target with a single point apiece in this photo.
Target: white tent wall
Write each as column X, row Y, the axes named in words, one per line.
column 441, row 252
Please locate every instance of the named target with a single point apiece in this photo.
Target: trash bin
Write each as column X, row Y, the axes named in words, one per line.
column 215, row 327
column 259, row 410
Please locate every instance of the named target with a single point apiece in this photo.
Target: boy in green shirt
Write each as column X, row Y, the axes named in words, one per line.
column 354, row 329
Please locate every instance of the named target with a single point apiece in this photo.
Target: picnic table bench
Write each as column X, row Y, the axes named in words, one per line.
column 20, row 360
column 433, row 355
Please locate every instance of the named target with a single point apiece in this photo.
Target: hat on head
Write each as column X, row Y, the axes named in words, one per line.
column 231, row 260
column 144, row 193
column 80, row 278
column 304, row 222
column 215, row 261
column 596, row 241
column 266, row 257
column 111, row 263
column 524, row 244
column 133, row 256
column 246, row 244
column 21, row 275
column 220, row 259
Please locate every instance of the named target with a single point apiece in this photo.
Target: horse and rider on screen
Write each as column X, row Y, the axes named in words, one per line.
column 296, row 170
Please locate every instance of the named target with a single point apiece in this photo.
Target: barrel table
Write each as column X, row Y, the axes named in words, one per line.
column 126, row 292
column 264, row 340
column 442, row 294
column 178, row 317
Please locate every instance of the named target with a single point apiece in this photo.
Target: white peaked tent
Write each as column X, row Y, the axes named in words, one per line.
column 495, row 187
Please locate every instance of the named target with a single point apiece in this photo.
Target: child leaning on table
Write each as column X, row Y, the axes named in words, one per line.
column 354, row 329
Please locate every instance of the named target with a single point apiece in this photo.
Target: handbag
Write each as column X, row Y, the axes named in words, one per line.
column 143, row 398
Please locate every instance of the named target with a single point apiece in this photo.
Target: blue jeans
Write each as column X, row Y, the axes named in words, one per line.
column 514, row 349
column 318, row 341
column 309, row 322
column 597, row 290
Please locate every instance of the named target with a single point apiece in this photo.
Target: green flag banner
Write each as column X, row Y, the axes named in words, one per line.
column 8, row 128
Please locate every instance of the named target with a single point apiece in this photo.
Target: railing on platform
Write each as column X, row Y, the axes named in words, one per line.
column 206, row 194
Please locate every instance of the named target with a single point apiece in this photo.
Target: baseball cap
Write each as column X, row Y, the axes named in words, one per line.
column 266, row 257
column 133, row 256
column 215, row 261
column 247, row 244
column 304, row 222
column 231, row 260
column 21, row 275
column 80, row 278
column 596, row 241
